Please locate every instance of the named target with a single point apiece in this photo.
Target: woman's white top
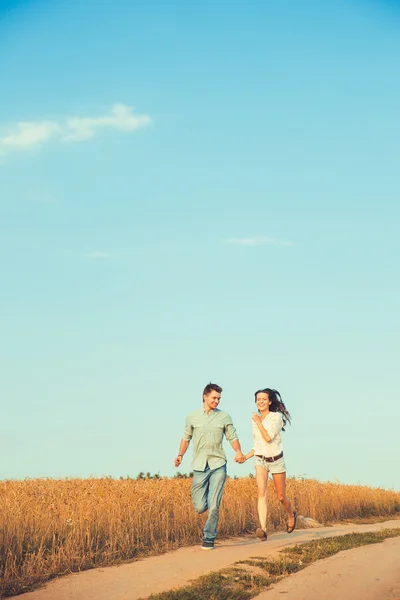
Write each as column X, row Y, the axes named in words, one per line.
column 273, row 424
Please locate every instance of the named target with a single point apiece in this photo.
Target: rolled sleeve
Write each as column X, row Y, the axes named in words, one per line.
column 275, row 427
column 230, row 431
column 188, row 431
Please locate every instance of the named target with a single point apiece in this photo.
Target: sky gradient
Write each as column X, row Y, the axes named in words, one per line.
column 195, row 192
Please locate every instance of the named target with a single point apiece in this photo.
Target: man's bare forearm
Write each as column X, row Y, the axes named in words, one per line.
column 236, row 446
column 184, row 445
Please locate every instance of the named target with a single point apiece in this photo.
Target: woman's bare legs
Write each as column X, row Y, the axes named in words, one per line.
column 262, row 481
column 280, row 487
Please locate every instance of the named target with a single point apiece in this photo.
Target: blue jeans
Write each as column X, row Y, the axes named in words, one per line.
column 207, row 490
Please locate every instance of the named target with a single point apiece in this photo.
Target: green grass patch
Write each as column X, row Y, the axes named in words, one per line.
column 228, row 584
column 239, row 582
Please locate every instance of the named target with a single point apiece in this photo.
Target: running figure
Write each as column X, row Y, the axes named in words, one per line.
column 207, row 426
column 267, row 450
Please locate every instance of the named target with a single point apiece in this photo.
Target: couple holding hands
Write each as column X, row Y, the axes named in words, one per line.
column 206, row 427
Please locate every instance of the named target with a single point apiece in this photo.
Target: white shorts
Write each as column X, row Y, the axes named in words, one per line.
column 278, row 466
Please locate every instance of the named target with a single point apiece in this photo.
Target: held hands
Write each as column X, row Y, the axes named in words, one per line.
column 240, row 457
column 178, row 461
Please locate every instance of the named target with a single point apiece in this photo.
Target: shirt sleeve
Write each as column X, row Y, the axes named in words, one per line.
column 188, row 431
column 275, row 426
column 254, row 428
column 230, row 431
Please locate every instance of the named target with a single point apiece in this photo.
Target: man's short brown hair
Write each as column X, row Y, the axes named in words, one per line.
column 212, row 387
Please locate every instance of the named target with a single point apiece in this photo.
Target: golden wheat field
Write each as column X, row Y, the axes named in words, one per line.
column 50, row 527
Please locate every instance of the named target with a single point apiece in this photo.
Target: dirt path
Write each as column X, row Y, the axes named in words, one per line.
column 366, row 573
column 159, row 573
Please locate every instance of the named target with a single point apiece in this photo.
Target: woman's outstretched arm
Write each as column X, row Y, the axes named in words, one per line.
column 249, row 454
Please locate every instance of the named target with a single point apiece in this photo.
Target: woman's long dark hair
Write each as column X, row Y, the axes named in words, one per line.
column 277, row 404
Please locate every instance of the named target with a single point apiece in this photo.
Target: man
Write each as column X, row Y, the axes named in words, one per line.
column 207, row 427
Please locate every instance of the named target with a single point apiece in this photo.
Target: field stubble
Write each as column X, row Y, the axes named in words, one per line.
column 50, row 527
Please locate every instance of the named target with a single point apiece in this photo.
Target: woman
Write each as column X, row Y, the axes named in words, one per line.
column 267, row 449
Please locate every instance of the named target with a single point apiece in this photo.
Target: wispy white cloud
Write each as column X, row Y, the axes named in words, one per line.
column 97, row 255
column 28, row 135
column 122, row 118
column 256, row 241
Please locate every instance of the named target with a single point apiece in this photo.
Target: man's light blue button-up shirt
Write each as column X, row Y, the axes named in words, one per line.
column 207, row 431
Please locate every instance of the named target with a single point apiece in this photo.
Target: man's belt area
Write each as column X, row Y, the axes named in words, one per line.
column 270, row 458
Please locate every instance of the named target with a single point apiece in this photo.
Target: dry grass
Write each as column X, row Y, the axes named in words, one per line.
column 50, row 527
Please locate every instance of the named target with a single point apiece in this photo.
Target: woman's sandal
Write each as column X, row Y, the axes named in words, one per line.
column 261, row 534
column 291, row 528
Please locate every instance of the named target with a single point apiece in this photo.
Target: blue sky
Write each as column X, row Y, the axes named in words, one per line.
column 194, row 192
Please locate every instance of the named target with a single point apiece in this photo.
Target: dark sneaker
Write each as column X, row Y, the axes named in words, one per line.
column 207, row 546
column 261, row 534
